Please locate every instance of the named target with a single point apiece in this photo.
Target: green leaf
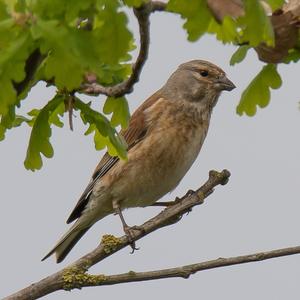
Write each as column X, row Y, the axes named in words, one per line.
column 2, row 132
column 119, row 108
column 258, row 26
column 275, row 4
column 8, row 95
column 195, row 12
column 74, row 52
column 3, row 11
column 102, row 49
column 48, row 9
column 111, row 35
column 258, row 91
column 77, row 8
column 105, row 134
column 56, row 113
column 63, row 64
column 134, row 3
column 113, row 74
column 62, row 10
column 39, row 142
column 293, row 55
column 15, row 47
column 239, row 55
column 101, row 141
column 20, row 6
column 7, row 121
column 10, row 120
column 226, row 31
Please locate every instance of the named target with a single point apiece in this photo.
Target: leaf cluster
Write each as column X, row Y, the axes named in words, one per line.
column 74, row 41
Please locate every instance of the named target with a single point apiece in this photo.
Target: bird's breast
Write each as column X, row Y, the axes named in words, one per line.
column 156, row 165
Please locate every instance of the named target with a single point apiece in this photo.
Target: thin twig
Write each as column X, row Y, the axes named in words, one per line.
column 142, row 14
column 70, row 110
column 75, row 276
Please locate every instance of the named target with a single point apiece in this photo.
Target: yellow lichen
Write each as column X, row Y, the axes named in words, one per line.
column 110, row 243
column 76, row 278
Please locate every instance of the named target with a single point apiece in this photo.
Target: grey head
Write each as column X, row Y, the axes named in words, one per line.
column 197, row 80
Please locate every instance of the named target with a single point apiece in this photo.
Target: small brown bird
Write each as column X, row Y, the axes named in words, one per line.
column 164, row 137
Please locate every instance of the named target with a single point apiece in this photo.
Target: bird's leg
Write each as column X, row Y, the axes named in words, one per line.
column 127, row 229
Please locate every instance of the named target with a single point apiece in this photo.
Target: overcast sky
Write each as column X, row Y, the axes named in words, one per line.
column 257, row 210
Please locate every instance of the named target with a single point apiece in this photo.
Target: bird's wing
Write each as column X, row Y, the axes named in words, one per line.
column 135, row 132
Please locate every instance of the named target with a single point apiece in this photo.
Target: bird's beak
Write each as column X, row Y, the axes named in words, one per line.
column 225, row 84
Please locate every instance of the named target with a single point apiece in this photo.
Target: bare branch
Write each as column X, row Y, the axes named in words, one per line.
column 75, row 276
column 187, row 270
column 142, row 14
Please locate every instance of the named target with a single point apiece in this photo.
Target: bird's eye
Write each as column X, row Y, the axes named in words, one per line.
column 204, row 73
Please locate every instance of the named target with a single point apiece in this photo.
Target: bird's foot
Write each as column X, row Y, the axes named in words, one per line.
column 129, row 234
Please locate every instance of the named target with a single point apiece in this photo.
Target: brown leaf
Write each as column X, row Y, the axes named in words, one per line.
column 286, row 34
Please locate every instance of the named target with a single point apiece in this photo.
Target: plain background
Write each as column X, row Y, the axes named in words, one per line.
column 257, row 210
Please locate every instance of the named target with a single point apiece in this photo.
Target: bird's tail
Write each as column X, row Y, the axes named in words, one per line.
column 68, row 241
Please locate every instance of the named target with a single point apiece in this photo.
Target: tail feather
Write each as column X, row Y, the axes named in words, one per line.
column 67, row 242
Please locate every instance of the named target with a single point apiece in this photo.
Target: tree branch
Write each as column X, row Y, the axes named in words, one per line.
column 142, row 14
column 187, row 270
column 75, row 276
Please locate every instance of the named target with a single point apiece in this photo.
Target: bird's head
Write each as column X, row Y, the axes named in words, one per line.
column 197, row 80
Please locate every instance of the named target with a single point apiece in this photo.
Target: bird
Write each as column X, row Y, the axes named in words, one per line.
column 164, row 137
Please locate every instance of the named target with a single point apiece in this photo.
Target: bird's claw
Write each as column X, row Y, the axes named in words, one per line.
column 129, row 234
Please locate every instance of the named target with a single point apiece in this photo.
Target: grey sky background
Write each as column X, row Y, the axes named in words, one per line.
column 257, row 210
